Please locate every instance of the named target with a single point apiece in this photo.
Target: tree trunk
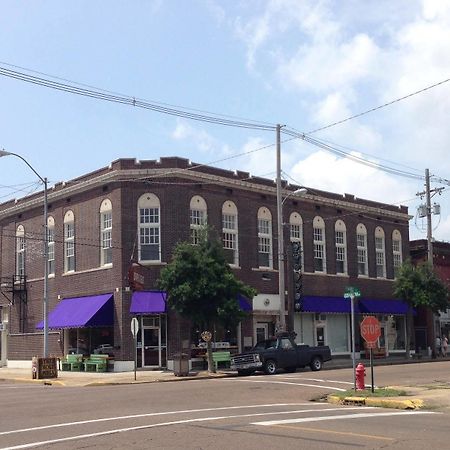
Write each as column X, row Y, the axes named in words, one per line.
column 211, row 366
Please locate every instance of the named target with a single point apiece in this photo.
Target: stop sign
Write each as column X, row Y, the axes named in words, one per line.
column 370, row 329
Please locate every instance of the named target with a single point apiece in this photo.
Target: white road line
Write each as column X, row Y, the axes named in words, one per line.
column 135, row 416
column 155, row 425
column 286, row 382
column 313, row 379
column 340, row 417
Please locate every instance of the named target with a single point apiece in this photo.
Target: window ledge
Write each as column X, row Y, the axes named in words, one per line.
column 152, row 263
column 96, row 269
column 264, row 269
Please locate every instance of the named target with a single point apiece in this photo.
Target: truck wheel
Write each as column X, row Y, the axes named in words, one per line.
column 270, row 367
column 316, row 364
column 290, row 369
column 245, row 372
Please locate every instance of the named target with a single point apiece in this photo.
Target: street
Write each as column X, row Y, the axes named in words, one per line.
column 249, row 412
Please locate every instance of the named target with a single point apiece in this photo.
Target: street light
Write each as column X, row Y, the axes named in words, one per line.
column 45, row 299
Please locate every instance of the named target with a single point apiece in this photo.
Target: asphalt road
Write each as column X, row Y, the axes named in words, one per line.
column 244, row 412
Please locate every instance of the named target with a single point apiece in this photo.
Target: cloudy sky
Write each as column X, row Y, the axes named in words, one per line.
column 304, row 64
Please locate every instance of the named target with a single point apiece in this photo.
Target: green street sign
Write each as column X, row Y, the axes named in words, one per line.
column 352, row 292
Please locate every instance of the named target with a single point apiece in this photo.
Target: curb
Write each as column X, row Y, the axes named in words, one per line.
column 381, row 402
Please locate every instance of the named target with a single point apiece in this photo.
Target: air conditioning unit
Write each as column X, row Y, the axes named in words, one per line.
column 3, row 326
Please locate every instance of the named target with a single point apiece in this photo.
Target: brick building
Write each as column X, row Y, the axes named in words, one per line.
column 111, row 231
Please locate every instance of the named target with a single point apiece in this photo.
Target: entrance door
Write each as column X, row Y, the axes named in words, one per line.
column 262, row 331
column 320, row 335
column 154, row 342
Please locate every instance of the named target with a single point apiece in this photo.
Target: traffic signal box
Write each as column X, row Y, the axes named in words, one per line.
column 298, row 285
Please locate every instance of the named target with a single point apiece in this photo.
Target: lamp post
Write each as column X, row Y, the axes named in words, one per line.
column 45, row 296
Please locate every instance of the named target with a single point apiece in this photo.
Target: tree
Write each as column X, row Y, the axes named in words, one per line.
column 420, row 286
column 201, row 286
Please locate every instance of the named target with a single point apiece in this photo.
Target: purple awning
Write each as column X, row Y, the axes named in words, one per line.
column 244, row 303
column 78, row 312
column 362, row 306
column 148, row 302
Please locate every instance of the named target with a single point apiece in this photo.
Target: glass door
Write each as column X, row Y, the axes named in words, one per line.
column 151, row 347
column 262, row 331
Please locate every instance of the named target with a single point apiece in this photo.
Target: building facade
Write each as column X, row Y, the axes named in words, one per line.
column 111, row 232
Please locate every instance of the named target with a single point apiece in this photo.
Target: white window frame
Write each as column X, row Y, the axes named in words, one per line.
column 230, row 231
column 149, row 225
column 319, row 245
column 265, row 242
column 69, row 242
column 296, row 232
column 397, row 256
column 197, row 218
column 361, row 250
column 106, row 233
column 340, row 239
column 51, row 246
column 20, row 251
column 380, row 252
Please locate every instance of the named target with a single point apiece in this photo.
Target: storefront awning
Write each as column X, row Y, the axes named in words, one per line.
column 244, row 303
column 148, row 302
column 362, row 306
column 79, row 312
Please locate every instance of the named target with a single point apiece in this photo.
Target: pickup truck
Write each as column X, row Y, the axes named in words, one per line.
column 280, row 352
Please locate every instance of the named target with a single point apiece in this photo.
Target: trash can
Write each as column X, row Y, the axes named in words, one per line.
column 181, row 364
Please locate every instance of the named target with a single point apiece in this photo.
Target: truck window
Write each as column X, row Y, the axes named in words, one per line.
column 285, row 344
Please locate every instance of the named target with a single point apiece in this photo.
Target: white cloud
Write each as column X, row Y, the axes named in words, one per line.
column 198, row 138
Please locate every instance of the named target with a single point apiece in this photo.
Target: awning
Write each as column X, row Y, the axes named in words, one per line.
column 79, row 312
column 244, row 303
column 148, row 302
column 362, row 306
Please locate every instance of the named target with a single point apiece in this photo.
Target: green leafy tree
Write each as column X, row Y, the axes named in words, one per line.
column 202, row 287
column 420, row 286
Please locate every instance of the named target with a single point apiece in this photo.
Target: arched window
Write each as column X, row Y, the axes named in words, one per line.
column 20, row 251
column 296, row 231
column 265, row 252
column 106, row 232
column 69, row 242
column 397, row 250
column 51, row 245
column 380, row 252
column 340, row 238
column 320, row 257
column 197, row 211
column 149, row 228
column 230, row 232
column 361, row 246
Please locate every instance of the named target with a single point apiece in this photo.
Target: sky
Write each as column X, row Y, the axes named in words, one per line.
column 300, row 63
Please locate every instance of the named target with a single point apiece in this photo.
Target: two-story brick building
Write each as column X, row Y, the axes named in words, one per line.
column 110, row 232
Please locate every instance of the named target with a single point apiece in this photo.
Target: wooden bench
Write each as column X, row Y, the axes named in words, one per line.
column 96, row 363
column 219, row 357
column 72, row 363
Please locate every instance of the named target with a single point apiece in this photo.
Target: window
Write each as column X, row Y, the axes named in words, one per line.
column 198, row 211
column 265, row 255
column 20, row 251
column 397, row 250
column 51, row 245
column 340, row 237
column 319, row 245
column 149, row 228
column 361, row 246
column 380, row 252
column 106, row 232
column 69, row 242
column 296, row 231
column 230, row 232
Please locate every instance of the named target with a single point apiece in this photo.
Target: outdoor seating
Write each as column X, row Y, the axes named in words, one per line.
column 221, row 357
column 96, row 363
column 73, row 363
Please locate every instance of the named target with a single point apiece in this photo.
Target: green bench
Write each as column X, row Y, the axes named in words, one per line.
column 96, row 363
column 221, row 357
column 72, row 363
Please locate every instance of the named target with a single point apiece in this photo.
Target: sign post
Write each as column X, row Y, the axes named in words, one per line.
column 370, row 332
column 351, row 293
column 134, row 332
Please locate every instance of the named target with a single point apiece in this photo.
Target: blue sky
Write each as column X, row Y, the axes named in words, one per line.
column 302, row 63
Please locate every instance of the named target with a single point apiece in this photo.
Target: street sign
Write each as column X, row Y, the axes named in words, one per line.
column 134, row 326
column 352, row 292
column 370, row 329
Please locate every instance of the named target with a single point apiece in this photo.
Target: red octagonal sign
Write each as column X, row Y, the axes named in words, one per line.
column 370, row 329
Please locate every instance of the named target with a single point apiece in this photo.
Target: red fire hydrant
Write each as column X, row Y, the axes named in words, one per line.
column 360, row 373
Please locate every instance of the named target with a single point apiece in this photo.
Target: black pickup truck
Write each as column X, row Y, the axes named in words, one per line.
column 280, row 352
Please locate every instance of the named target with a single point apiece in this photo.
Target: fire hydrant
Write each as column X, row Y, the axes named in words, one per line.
column 360, row 372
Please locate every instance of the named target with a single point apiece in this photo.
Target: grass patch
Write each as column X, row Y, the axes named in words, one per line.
column 379, row 392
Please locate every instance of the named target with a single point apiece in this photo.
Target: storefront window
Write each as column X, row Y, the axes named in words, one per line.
column 337, row 326
column 395, row 332
column 88, row 341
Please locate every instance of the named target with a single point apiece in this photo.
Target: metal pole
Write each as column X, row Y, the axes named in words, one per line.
column 352, row 306
column 281, row 286
column 45, row 300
